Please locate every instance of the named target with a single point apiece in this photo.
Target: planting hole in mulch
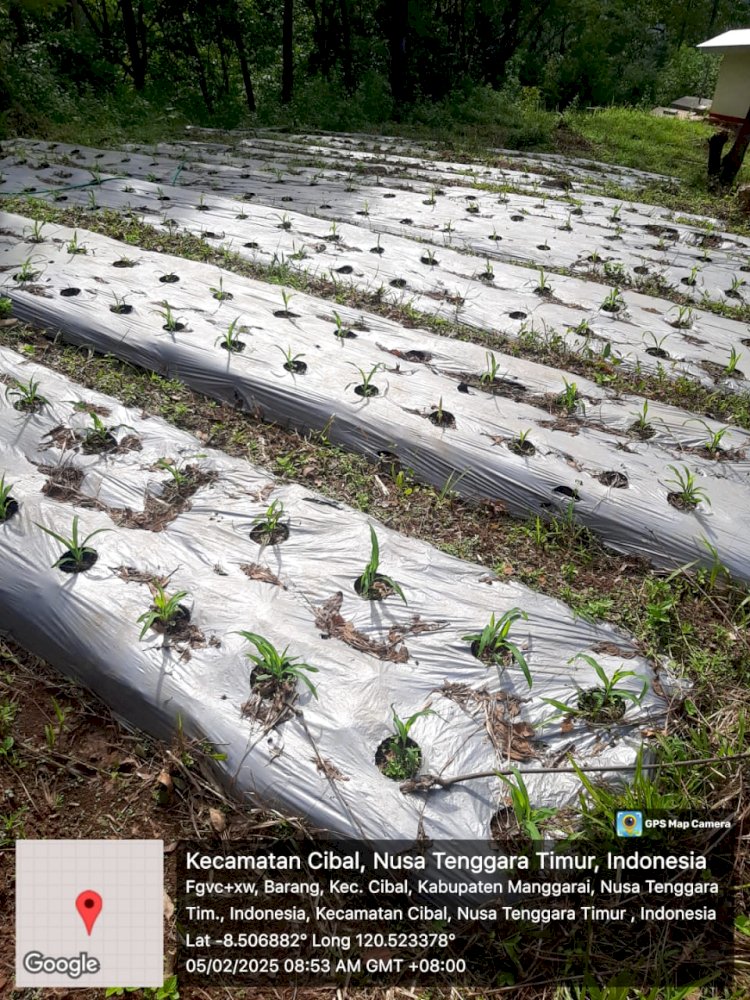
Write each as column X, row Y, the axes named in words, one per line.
column 504, row 829
column 124, row 262
column 344, row 334
column 597, row 707
column 390, row 194
column 222, row 296
column 285, row 314
column 492, row 657
column 442, row 418
column 326, row 208
column 517, row 218
column 270, row 688
column 99, row 445
column 398, row 283
column 429, row 259
column 406, row 222
column 524, row 448
column 287, row 198
column 566, row 491
column 377, row 250
column 11, row 509
column 688, row 281
column 641, row 269
column 236, row 347
column 379, row 591
column 487, row 276
column 516, row 314
column 174, row 328
column 644, row 433
column 251, row 245
column 617, row 479
column 420, row 356
column 655, row 230
column 23, row 278
column 495, row 238
column 263, row 536
column 542, row 246
column 121, row 310
column 678, row 501
column 69, row 564
column 657, row 352
column 28, row 406
column 719, row 371
column 345, row 269
column 367, row 390
column 296, row 367
column 179, row 627
column 169, row 279
column 396, row 760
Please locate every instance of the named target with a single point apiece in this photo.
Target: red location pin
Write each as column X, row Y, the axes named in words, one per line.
column 89, row 905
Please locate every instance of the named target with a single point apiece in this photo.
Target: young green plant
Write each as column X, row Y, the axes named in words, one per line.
column 493, row 642
column 277, row 667
column 528, row 817
column 165, row 609
column 77, row 548
column 403, row 757
column 371, row 584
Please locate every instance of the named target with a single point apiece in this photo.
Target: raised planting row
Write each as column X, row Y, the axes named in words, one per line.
column 650, row 480
column 623, row 241
column 641, row 331
column 187, row 588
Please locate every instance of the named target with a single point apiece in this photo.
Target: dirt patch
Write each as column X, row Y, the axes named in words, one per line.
column 254, row 571
column 332, row 624
column 511, row 737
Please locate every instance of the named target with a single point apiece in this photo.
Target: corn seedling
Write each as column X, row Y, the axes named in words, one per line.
column 687, row 493
column 403, row 756
column 448, row 227
column 284, row 221
column 543, row 287
column 684, row 318
column 614, row 301
column 179, row 476
column 292, row 362
column 6, row 500
column 403, row 480
column 26, row 271
column 371, row 584
column 642, row 424
column 529, row 818
column 218, row 293
column 568, row 398
column 269, row 522
column 489, row 271
column 712, row 444
column 202, row 206
column 342, row 332
column 493, row 644
column 286, row 298
column 365, row 387
column 333, row 232
column 6, row 307
column 92, row 206
column 731, row 366
column 35, row 235
column 490, row 373
column 77, row 550
column 120, row 306
column 171, row 323
column 99, row 436
column 521, row 444
column 165, row 610
column 274, row 667
column 377, row 248
column 692, row 278
column 605, row 703
column 431, row 200
column 27, row 395
column 429, row 258
column 230, row 340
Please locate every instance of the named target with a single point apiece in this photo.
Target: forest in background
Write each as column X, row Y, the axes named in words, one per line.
column 338, row 64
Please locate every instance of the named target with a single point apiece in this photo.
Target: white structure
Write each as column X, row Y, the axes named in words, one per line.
column 732, row 95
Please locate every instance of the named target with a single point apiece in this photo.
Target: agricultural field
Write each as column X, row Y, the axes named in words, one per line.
column 359, row 476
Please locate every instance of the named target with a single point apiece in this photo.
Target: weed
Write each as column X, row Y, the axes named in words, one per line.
column 6, row 307
column 274, row 668
column 493, row 644
column 371, row 584
column 687, row 493
column 165, row 610
column 528, row 817
column 77, row 555
column 27, row 393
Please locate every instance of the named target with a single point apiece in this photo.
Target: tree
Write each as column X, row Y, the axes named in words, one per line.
column 287, row 53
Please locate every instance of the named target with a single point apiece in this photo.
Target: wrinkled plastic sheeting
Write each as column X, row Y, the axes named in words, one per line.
column 579, row 460
column 601, row 236
column 86, row 625
column 643, row 332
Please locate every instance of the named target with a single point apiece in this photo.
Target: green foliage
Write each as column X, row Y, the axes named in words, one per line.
column 493, row 641
column 76, row 546
column 370, row 577
column 165, row 609
column 529, row 818
column 277, row 666
column 5, row 497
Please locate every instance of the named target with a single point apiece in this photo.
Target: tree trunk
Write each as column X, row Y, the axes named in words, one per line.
column 287, row 53
column 730, row 165
column 247, row 80
column 346, row 56
column 137, row 57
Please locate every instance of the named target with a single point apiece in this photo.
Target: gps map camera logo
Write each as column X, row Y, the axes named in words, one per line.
column 629, row 823
column 71, row 934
